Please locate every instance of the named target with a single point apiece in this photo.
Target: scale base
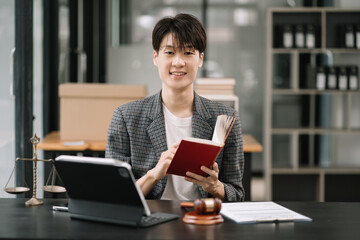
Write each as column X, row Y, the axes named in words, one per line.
column 33, row 202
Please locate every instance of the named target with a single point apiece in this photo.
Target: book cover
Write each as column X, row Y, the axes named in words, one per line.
column 193, row 153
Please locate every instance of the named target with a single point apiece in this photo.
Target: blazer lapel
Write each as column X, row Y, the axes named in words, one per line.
column 201, row 118
column 156, row 129
column 157, row 134
column 201, row 127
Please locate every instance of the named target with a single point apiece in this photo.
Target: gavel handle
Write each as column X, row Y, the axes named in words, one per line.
column 187, row 204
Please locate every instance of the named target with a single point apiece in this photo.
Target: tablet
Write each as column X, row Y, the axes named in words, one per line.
column 105, row 190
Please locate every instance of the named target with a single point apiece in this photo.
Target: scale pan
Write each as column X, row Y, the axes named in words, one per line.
column 16, row 190
column 54, row 189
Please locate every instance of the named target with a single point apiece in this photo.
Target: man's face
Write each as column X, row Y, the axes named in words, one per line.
column 177, row 66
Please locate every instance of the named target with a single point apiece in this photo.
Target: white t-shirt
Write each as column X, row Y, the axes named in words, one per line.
column 176, row 187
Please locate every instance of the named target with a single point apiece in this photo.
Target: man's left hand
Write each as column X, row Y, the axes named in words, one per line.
column 211, row 183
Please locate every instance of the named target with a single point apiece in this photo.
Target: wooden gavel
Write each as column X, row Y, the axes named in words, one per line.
column 204, row 205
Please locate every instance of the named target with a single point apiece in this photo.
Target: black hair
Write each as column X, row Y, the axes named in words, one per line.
column 185, row 28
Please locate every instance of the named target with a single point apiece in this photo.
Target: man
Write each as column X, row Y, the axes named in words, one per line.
column 147, row 132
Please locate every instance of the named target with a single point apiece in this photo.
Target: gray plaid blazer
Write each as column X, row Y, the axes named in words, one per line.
column 137, row 136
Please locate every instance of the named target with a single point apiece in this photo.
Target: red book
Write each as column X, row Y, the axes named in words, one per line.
column 193, row 153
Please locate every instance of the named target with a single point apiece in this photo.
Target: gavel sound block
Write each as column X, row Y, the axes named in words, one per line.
column 206, row 211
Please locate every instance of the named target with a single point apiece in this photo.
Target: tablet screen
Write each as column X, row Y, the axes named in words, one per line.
column 100, row 180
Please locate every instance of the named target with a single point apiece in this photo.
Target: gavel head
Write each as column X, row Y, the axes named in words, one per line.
column 207, row 206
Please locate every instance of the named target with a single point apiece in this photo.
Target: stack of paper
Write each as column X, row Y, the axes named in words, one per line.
column 215, row 86
column 254, row 212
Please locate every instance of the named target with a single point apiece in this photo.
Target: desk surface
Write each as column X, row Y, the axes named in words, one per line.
column 330, row 221
column 52, row 142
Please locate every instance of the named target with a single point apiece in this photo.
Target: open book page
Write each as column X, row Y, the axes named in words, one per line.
column 222, row 127
column 204, row 141
column 254, row 212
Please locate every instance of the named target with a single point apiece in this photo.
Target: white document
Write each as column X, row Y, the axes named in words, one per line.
column 254, row 212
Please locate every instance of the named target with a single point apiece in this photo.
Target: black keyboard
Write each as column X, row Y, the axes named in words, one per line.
column 156, row 218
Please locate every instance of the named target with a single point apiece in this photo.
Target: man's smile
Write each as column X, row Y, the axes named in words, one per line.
column 178, row 73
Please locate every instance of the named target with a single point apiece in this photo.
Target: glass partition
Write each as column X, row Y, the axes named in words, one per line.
column 7, row 108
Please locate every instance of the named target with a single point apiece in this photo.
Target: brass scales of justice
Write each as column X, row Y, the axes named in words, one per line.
column 52, row 188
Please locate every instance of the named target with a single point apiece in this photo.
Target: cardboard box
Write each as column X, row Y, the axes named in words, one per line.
column 86, row 109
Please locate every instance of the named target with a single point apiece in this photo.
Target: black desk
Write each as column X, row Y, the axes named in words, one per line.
column 330, row 221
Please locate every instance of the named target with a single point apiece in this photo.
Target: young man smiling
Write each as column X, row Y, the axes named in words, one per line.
column 146, row 133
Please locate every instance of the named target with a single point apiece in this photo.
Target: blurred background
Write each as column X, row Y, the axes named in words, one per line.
column 97, row 41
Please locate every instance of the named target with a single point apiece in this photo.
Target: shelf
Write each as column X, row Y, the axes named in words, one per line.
column 335, row 24
column 315, row 50
column 314, row 170
column 296, row 50
column 310, row 9
column 344, row 50
column 311, row 91
column 307, row 129
column 314, row 131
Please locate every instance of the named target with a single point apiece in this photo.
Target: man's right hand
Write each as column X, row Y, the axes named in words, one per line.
column 148, row 181
column 159, row 171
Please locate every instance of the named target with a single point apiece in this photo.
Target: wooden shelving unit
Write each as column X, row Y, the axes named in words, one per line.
column 295, row 115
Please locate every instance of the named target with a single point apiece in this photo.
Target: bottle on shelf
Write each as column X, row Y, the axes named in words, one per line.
column 331, row 78
column 349, row 36
column 353, row 77
column 342, row 78
column 357, row 36
column 310, row 36
column 299, row 36
column 287, row 36
column 320, row 78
